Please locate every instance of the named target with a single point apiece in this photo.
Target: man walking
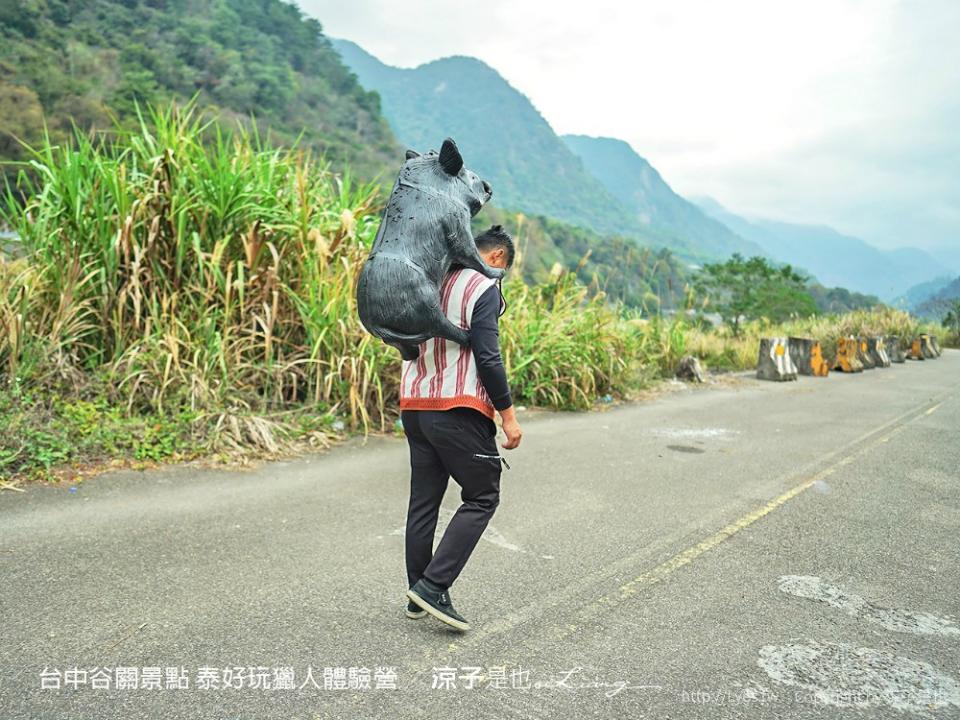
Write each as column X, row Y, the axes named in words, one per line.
column 448, row 397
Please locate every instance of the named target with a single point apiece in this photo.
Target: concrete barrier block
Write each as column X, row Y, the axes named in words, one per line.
column 847, row 356
column 935, row 344
column 774, row 362
column 894, row 350
column 863, row 354
column 807, row 355
column 878, row 352
column 916, row 349
column 689, row 369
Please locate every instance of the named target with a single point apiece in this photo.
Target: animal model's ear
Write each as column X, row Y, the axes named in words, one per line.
column 411, row 154
column 450, row 159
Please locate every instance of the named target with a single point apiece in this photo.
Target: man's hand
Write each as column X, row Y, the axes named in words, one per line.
column 511, row 428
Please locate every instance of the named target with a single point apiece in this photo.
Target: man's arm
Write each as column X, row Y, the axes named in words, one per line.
column 485, row 343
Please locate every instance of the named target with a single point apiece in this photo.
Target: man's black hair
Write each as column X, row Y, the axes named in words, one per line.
column 495, row 237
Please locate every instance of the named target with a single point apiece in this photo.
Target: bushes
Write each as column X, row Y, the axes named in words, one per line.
column 564, row 349
column 189, row 291
column 183, row 269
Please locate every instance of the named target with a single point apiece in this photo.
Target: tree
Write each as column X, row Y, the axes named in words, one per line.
column 951, row 320
column 745, row 289
column 21, row 119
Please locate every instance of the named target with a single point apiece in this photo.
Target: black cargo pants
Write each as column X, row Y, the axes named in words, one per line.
column 444, row 443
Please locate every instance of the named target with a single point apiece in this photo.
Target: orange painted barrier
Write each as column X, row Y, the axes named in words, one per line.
column 916, row 350
column 807, row 355
column 847, row 359
column 863, row 354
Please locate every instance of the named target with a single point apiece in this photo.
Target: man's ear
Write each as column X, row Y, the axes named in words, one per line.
column 450, row 159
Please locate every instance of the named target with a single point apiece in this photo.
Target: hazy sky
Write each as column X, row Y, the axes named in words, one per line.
column 841, row 112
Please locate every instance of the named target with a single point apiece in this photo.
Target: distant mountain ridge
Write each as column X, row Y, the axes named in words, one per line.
column 503, row 137
column 500, row 134
column 638, row 185
column 931, row 299
column 833, row 258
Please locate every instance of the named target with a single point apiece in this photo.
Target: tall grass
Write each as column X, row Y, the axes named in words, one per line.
column 562, row 348
column 196, row 269
column 184, row 276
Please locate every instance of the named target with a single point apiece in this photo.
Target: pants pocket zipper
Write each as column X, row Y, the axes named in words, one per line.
column 501, row 458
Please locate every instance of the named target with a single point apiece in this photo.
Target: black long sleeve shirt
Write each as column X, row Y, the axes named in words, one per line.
column 485, row 343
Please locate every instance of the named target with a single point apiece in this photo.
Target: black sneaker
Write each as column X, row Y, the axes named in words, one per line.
column 436, row 601
column 414, row 611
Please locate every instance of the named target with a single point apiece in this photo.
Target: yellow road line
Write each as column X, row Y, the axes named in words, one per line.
column 692, row 553
column 685, row 557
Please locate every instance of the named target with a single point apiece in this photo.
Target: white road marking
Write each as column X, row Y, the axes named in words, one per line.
column 491, row 534
column 847, row 676
column 688, row 433
column 811, row 587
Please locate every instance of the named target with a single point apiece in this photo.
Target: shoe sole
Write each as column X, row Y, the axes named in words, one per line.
column 442, row 617
column 415, row 615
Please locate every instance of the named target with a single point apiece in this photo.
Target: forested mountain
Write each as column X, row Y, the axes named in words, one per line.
column 936, row 299
column 833, row 258
column 916, row 296
column 949, row 292
column 642, row 277
column 500, row 133
column 87, row 59
column 91, row 61
column 840, row 300
column 638, row 185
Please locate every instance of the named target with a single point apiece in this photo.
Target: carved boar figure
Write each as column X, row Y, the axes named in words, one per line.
column 425, row 228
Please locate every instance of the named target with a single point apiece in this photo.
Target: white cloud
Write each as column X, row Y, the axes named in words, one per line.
column 826, row 111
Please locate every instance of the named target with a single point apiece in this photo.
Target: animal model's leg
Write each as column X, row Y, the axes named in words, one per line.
column 463, row 249
column 437, row 326
column 452, row 332
column 407, row 352
column 405, row 308
column 431, row 318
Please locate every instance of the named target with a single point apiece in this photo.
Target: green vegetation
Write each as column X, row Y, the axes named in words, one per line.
column 640, row 277
column 951, row 319
column 180, row 270
column 85, row 60
column 746, row 289
column 942, row 304
column 840, row 300
column 189, row 291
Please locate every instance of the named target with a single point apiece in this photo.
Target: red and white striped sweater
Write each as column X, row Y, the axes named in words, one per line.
column 445, row 375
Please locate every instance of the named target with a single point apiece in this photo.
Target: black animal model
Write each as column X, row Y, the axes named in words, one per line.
column 425, row 228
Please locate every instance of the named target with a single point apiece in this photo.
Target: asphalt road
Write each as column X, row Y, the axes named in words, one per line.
column 764, row 550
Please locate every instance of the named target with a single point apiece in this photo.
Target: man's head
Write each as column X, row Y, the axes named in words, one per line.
column 496, row 247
